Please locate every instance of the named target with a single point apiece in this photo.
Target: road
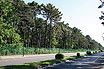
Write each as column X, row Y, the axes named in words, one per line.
column 95, row 61
column 15, row 60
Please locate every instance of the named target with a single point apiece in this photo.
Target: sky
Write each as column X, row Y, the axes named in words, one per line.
column 83, row 14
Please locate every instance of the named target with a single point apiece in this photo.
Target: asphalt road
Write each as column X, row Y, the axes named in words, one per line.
column 15, row 60
column 95, row 61
column 21, row 60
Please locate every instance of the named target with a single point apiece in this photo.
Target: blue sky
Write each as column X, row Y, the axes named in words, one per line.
column 83, row 14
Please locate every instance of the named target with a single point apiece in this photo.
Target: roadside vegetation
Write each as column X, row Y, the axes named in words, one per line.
column 37, row 28
column 16, row 50
column 36, row 65
column 59, row 58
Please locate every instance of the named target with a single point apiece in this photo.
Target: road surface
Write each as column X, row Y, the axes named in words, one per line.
column 95, row 61
column 15, row 60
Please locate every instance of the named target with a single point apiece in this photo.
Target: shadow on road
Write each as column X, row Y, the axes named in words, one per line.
column 88, row 62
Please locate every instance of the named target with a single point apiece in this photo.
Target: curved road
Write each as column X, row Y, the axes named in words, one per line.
column 95, row 61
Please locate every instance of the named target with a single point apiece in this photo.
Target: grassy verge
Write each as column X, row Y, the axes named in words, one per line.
column 35, row 65
column 18, row 50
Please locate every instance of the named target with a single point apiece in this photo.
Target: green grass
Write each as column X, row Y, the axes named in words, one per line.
column 17, row 67
column 18, row 50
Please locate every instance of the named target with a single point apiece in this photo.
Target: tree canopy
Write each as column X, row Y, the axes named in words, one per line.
column 39, row 26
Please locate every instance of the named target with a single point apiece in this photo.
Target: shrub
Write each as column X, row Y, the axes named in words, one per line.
column 88, row 53
column 101, row 50
column 78, row 54
column 59, row 56
column 95, row 51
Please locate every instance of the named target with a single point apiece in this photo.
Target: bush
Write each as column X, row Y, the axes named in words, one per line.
column 59, row 56
column 93, row 52
column 88, row 53
column 96, row 52
column 78, row 54
column 101, row 50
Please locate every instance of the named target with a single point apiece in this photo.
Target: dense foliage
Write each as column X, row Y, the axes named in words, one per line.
column 39, row 26
column 59, row 56
column 88, row 53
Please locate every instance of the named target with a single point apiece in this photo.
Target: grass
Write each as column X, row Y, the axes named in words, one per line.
column 17, row 67
column 35, row 65
column 16, row 50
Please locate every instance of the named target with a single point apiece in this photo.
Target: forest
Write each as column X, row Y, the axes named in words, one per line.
column 34, row 25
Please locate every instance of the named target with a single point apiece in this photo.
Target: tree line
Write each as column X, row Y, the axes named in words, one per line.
column 39, row 26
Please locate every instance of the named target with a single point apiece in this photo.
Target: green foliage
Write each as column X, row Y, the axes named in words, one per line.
column 40, row 28
column 43, row 64
column 10, row 50
column 8, row 34
column 71, row 58
column 54, row 42
column 59, row 56
column 17, row 49
column 78, row 55
column 96, row 52
column 18, row 67
column 88, row 53
column 101, row 51
column 7, row 18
